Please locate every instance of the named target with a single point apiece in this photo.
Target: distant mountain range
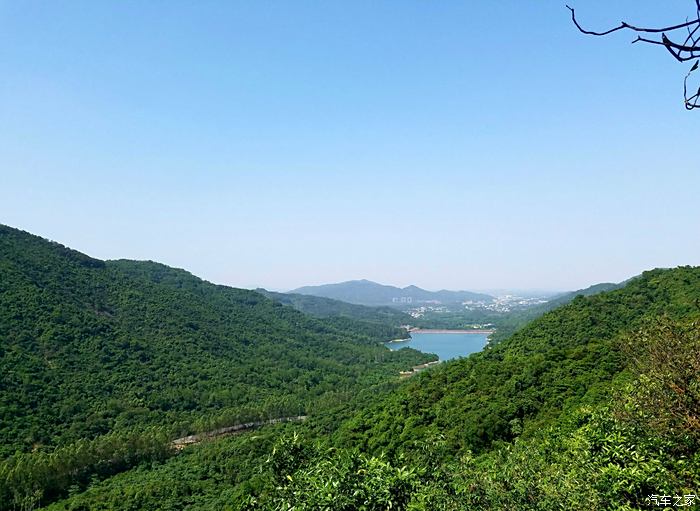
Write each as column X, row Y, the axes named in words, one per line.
column 366, row 292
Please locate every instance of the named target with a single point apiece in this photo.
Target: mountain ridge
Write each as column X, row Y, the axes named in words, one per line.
column 541, row 421
column 90, row 346
column 367, row 292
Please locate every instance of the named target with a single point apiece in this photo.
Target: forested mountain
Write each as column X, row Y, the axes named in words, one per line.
column 563, row 358
column 321, row 307
column 339, row 313
column 365, row 292
column 92, row 349
column 509, row 323
column 565, row 298
column 594, row 405
column 505, row 322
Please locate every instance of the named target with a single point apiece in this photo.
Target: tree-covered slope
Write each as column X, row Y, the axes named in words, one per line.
column 638, row 448
column 563, row 359
column 88, row 347
column 321, row 307
column 509, row 323
column 593, row 406
column 565, row 298
column 384, row 319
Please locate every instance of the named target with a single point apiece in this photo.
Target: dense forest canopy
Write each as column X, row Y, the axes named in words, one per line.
column 593, row 404
column 93, row 348
column 563, row 415
column 351, row 316
column 284, row 143
column 562, row 359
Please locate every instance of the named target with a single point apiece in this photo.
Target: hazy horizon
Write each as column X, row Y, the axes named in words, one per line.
column 445, row 145
column 489, row 291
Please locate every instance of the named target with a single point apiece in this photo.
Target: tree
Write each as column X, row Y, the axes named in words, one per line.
column 681, row 40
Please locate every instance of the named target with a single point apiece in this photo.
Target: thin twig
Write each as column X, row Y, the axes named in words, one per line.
column 624, row 25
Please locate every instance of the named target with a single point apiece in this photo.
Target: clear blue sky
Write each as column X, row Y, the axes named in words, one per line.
column 448, row 144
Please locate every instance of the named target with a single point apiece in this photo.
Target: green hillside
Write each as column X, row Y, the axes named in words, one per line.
column 509, row 323
column 506, row 323
column 564, row 358
column 343, row 314
column 565, row 298
column 594, row 405
column 95, row 349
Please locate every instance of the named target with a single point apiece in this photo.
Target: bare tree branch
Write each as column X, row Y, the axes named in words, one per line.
column 684, row 51
column 624, row 25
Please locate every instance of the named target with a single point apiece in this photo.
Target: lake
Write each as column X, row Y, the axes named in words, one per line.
column 445, row 346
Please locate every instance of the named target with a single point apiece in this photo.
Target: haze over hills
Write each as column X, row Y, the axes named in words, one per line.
column 321, row 307
column 564, row 298
column 508, row 324
column 366, row 292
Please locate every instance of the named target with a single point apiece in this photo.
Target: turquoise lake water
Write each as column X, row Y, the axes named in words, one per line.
column 445, row 346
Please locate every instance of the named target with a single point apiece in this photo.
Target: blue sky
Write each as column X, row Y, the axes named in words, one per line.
column 269, row 143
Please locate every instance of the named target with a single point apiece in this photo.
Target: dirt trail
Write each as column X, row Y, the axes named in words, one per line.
column 181, row 443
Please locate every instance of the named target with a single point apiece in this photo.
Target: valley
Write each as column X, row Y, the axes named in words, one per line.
column 349, row 256
column 121, row 376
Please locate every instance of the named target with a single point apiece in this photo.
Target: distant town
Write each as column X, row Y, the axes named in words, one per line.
column 503, row 303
